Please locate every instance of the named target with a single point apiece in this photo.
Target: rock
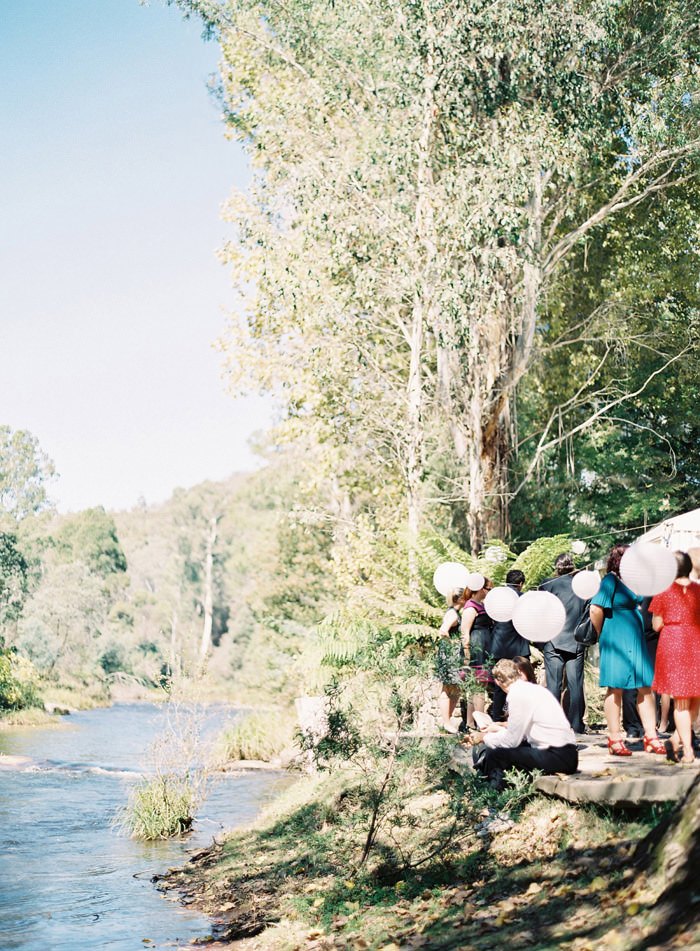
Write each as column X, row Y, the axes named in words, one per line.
column 55, row 710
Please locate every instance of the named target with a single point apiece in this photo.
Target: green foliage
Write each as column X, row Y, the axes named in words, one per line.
column 18, row 686
column 164, row 802
column 91, row 537
column 13, row 578
column 113, row 660
column 341, row 739
column 537, row 561
column 519, row 269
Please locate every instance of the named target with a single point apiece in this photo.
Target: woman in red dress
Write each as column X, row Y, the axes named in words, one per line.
column 676, row 615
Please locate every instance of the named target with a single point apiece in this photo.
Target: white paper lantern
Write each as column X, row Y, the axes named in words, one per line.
column 648, row 569
column 585, row 584
column 475, row 581
column 495, row 555
column 450, row 575
column 578, row 547
column 539, row 615
column 500, row 603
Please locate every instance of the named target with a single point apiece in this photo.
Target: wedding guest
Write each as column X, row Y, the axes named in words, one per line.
column 449, row 658
column 476, row 640
column 537, row 737
column 563, row 655
column 507, row 644
column 624, row 657
column 631, row 723
column 525, row 669
column 676, row 616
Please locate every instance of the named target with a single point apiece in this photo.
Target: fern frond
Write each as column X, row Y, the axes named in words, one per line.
column 537, row 561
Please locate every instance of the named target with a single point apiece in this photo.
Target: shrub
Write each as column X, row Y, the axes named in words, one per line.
column 17, row 682
column 259, row 736
column 161, row 807
column 165, row 802
column 113, row 660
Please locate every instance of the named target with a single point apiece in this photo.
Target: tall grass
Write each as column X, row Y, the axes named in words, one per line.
column 256, row 736
column 164, row 803
column 161, row 807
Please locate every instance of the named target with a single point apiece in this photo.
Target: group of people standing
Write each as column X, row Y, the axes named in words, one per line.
column 647, row 646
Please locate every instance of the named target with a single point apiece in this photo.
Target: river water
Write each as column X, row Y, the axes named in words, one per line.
column 68, row 880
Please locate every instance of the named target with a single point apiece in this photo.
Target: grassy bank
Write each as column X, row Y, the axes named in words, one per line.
column 463, row 868
column 30, row 716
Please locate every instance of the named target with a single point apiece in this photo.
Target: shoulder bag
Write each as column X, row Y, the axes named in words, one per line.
column 584, row 632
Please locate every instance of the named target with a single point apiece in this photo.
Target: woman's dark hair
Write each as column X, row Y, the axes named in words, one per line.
column 525, row 667
column 684, row 564
column 614, row 559
column 564, row 563
column 515, row 576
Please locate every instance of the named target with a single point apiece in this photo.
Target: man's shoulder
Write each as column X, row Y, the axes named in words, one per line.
column 525, row 688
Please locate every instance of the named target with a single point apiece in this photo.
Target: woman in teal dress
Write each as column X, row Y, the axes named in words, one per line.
column 624, row 660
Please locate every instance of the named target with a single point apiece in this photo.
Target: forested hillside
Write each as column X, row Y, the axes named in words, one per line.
column 220, row 583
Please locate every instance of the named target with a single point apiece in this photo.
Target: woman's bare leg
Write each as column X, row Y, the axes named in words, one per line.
column 646, row 705
column 684, row 726
column 665, row 712
column 613, row 712
column 447, row 701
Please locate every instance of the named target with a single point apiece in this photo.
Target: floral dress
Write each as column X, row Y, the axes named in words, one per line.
column 678, row 654
column 450, row 653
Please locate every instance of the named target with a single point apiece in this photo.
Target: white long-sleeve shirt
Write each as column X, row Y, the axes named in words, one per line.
column 533, row 715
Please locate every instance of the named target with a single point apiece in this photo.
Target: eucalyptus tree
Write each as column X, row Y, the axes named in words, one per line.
column 424, row 171
column 25, row 471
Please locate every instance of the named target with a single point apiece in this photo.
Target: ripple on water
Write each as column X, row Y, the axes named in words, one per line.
column 68, row 881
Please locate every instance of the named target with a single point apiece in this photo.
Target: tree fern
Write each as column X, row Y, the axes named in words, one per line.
column 537, row 561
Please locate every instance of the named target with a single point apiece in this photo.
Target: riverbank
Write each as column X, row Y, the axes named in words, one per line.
column 511, row 869
column 63, row 699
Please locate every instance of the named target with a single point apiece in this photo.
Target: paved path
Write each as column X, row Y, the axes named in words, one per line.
column 614, row 780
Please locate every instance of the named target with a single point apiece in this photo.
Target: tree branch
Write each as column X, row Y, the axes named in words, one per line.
column 545, row 446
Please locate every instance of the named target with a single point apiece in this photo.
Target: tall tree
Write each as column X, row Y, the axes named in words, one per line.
column 418, row 195
column 24, row 473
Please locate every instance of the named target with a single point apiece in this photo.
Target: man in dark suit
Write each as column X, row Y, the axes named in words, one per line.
column 506, row 644
column 563, row 655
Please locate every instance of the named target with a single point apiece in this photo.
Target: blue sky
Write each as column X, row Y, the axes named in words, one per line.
column 113, row 169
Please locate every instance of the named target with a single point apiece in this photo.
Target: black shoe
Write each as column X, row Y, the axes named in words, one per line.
column 497, row 779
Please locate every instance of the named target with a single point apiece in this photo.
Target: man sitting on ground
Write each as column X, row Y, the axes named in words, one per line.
column 538, row 735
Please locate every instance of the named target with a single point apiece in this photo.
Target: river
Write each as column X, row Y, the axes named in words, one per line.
column 68, row 880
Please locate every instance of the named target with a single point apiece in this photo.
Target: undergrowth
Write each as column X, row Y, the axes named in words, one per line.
column 460, row 854
column 256, row 736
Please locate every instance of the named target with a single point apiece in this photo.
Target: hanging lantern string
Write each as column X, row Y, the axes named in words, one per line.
column 602, row 534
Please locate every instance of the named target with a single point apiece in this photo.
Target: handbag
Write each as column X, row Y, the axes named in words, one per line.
column 584, row 632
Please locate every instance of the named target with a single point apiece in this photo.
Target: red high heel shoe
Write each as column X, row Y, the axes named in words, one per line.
column 652, row 744
column 618, row 748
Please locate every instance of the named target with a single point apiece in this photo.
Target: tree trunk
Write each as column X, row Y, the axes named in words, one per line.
column 173, row 642
column 414, row 446
column 208, row 599
column 670, row 858
column 501, row 348
column 422, row 303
